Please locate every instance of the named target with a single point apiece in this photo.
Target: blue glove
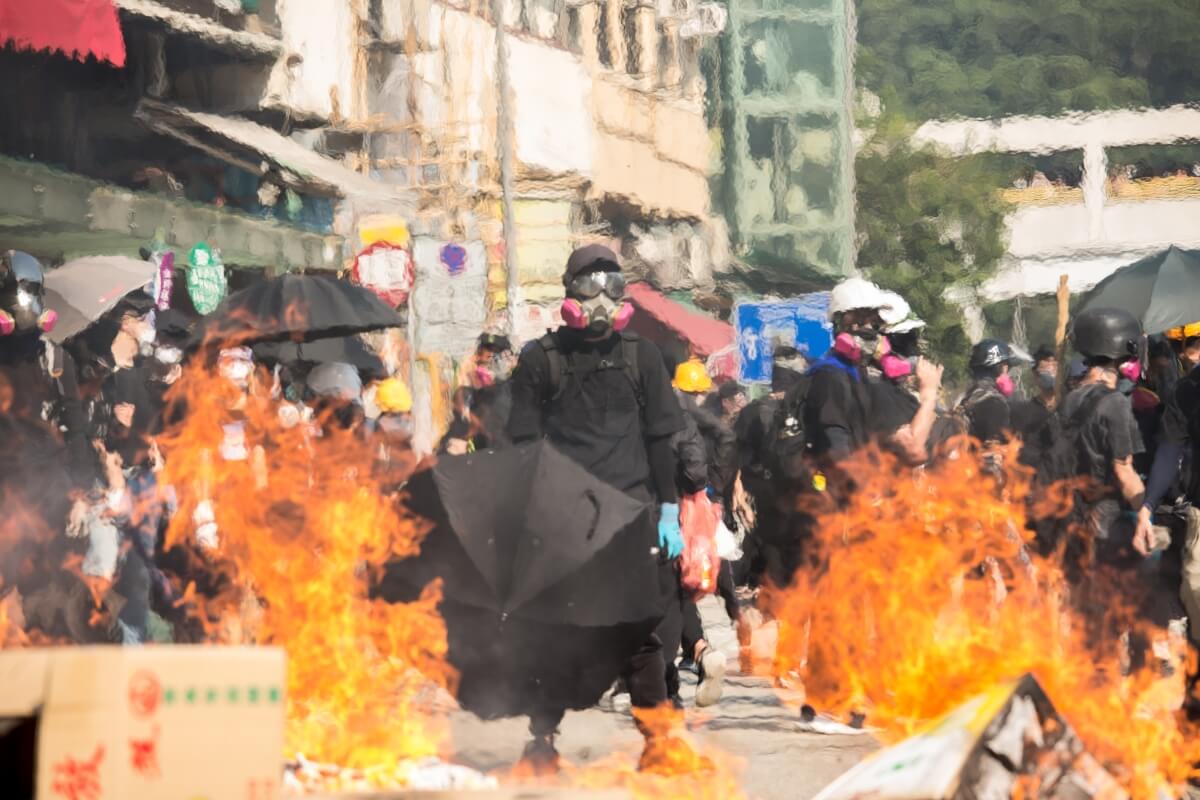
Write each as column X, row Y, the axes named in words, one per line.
column 670, row 538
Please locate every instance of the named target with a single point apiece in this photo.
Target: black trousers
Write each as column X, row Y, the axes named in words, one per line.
column 643, row 676
column 693, row 628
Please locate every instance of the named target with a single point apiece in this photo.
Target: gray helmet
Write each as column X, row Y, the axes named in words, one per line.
column 1110, row 333
column 21, row 293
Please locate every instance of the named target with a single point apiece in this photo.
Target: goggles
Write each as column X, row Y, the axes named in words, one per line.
column 591, row 284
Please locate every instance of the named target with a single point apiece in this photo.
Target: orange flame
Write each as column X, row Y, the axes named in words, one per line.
column 302, row 525
column 920, row 594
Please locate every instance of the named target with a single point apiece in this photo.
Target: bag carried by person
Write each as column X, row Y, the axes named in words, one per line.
column 699, row 564
column 1053, row 450
column 786, row 440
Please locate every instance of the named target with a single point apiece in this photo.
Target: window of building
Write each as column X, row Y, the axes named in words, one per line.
column 629, row 35
column 603, row 35
column 572, row 38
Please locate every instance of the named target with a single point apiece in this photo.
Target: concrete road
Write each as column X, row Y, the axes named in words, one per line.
column 751, row 722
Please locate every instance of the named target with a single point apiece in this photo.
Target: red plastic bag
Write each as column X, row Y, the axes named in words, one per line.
column 698, row 520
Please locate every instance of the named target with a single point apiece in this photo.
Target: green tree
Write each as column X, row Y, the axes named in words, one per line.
column 986, row 58
column 927, row 223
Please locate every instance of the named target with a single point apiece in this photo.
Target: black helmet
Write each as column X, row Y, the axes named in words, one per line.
column 1106, row 333
column 21, row 292
column 991, row 353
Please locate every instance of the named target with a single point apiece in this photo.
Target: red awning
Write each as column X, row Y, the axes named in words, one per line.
column 77, row 28
column 705, row 334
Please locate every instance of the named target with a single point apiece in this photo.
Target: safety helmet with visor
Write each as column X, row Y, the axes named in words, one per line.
column 22, row 292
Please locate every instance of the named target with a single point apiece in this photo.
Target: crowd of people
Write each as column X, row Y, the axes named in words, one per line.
column 81, row 424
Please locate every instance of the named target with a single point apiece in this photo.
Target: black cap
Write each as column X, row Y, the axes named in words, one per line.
column 494, row 341
column 590, row 258
column 173, row 327
column 729, row 389
column 1044, row 353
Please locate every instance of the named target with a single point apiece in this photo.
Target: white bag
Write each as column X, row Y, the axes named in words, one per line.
column 727, row 544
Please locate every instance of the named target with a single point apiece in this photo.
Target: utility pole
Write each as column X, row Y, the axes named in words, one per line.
column 504, row 143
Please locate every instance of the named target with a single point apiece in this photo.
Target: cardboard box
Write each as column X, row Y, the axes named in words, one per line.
column 142, row 723
column 979, row 750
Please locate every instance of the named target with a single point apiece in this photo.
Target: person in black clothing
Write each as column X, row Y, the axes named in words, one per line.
column 838, row 405
column 985, row 405
column 603, row 398
column 481, row 414
column 1174, row 469
column 50, row 463
column 1028, row 416
column 1106, row 436
column 707, row 452
column 905, row 407
column 904, row 400
column 768, row 493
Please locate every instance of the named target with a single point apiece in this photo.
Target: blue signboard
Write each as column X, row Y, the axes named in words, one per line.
column 761, row 326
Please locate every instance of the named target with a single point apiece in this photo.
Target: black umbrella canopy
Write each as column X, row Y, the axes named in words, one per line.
column 1162, row 290
column 342, row 349
column 300, row 308
column 549, row 579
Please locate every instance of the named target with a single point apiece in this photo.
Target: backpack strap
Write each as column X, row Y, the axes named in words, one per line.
column 558, row 366
column 554, row 366
column 629, row 354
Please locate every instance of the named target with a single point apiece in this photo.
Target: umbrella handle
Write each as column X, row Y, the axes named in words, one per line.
column 590, row 496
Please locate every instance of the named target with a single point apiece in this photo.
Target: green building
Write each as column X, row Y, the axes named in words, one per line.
column 785, row 112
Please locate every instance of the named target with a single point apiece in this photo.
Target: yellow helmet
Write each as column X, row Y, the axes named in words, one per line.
column 393, row 397
column 1184, row 331
column 691, row 376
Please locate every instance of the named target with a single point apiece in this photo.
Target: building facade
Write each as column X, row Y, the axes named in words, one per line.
column 786, row 119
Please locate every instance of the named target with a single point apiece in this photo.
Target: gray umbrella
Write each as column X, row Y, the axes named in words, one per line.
column 83, row 289
column 1162, row 290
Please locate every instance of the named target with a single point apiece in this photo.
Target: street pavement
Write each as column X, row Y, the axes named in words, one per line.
column 753, row 722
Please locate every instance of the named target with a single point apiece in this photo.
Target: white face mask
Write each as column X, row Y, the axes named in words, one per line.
column 237, row 372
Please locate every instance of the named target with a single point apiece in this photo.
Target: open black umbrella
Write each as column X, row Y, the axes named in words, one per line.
column 300, row 308
column 1162, row 290
column 549, row 579
column 343, row 349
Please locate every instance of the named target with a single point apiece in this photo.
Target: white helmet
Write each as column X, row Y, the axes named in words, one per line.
column 856, row 293
column 898, row 317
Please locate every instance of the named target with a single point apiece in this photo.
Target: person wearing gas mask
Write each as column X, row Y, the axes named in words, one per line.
column 837, row 409
column 602, row 397
column 481, row 421
column 1027, row 416
column 40, row 408
column 904, row 401
column 50, row 464
column 985, row 405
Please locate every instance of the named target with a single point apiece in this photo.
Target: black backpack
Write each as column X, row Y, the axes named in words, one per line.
column 560, row 365
column 786, row 443
column 1053, row 450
